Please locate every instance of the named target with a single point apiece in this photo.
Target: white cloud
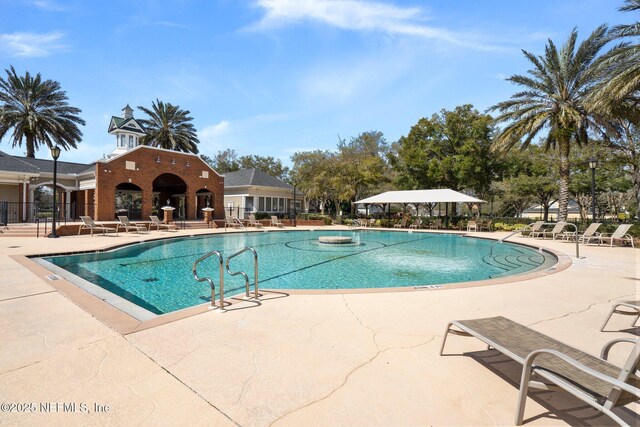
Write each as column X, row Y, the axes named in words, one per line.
column 359, row 15
column 31, row 44
column 48, row 5
column 211, row 135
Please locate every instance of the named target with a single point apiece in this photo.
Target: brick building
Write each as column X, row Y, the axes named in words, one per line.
column 134, row 180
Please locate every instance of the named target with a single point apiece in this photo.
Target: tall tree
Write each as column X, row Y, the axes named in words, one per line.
column 312, row 172
column 552, row 100
column 451, row 150
column 223, row 161
column 621, row 65
column 38, row 112
column 268, row 165
column 169, row 127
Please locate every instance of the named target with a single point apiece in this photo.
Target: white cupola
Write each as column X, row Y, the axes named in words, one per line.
column 127, row 131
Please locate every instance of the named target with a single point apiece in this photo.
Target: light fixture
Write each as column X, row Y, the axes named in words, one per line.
column 173, row 161
column 188, row 164
column 158, row 159
column 55, row 153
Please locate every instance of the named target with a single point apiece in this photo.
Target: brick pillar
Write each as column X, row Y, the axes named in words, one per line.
column 147, row 200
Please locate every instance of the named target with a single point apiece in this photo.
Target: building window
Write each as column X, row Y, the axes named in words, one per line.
column 261, row 204
column 130, row 141
column 248, row 203
column 268, row 205
column 282, row 206
column 122, row 142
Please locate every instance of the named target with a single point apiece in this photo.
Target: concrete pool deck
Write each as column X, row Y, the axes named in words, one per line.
column 300, row 359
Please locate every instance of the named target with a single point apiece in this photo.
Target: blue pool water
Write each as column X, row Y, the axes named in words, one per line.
column 157, row 275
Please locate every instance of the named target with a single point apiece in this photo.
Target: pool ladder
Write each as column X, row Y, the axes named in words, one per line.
column 211, row 283
column 575, row 230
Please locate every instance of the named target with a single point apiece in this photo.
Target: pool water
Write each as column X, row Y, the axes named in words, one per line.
column 157, row 275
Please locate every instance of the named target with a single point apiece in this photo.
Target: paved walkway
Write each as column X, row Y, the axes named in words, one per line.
column 356, row 359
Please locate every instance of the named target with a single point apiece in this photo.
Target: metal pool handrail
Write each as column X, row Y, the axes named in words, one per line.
column 246, row 277
column 208, row 279
column 575, row 228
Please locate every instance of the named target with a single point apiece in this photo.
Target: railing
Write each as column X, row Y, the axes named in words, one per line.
column 575, row 228
column 209, row 280
column 246, row 277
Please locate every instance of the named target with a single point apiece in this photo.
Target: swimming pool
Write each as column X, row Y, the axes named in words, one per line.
column 156, row 275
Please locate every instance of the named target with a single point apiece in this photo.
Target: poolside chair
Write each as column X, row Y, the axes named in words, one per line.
column 591, row 379
column 472, row 225
column 88, row 223
column 232, row 222
column 632, row 309
column 589, row 233
column 556, row 231
column 533, row 227
column 619, row 234
column 371, row 223
column 155, row 222
column 436, row 225
column 417, row 223
column 128, row 225
column 275, row 222
column 253, row 223
column 401, row 224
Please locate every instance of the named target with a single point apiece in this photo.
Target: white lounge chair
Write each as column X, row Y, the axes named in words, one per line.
column 155, row 222
column 631, row 308
column 417, row 223
column 88, row 223
column 253, row 222
column 437, row 224
column 128, row 225
column 589, row 233
column 532, row 229
column 472, row 225
column 402, row 223
column 275, row 222
column 232, row 222
column 555, row 232
column 591, row 379
column 620, row 234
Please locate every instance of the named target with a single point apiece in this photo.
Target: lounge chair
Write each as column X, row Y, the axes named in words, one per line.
column 371, row 223
column 253, row 223
column 155, row 222
column 436, row 225
column 619, row 234
column 472, row 225
column 534, row 227
column 275, row 222
column 88, row 223
column 589, row 233
column 591, row 379
column 555, row 232
column 232, row 222
column 632, row 309
column 402, row 223
column 417, row 223
column 128, row 225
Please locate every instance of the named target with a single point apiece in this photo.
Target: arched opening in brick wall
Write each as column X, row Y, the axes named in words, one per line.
column 170, row 189
column 128, row 200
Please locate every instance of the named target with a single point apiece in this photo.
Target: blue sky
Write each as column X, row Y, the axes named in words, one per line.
column 272, row 77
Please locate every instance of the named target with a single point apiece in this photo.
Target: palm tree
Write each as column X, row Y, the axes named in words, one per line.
column 621, row 65
column 553, row 101
column 38, row 112
column 169, row 127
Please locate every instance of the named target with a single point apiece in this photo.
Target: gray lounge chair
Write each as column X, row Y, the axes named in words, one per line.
column 155, row 222
column 555, row 232
column 401, row 224
column 620, row 234
column 632, row 309
column 232, row 222
column 590, row 233
column 532, row 228
column 128, row 225
column 591, row 379
column 88, row 223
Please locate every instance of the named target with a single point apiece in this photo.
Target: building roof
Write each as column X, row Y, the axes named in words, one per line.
column 572, row 207
column 129, row 124
column 46, row 166
column 253, row 176
column 443, row 195
column 11, row 163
